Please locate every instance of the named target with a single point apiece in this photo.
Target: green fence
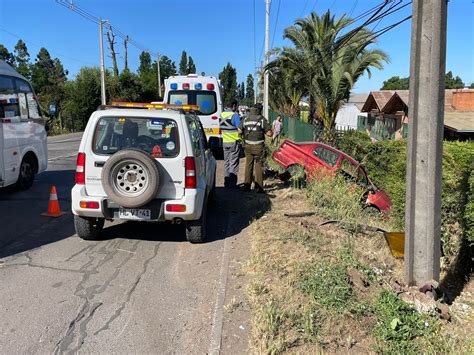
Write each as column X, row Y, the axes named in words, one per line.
column 294, row 129
column 298, row 131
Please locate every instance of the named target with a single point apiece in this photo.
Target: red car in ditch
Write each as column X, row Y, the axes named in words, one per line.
column 318, row 158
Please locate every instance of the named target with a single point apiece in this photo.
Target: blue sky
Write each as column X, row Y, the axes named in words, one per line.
column 213, row 32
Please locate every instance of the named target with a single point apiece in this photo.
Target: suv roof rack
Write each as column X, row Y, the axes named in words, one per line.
column 144, row 105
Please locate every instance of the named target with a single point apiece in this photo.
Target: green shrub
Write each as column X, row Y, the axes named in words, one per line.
column 469, row 212
column 385, row 163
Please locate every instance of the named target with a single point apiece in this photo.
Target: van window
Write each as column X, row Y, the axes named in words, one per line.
column 206, row 100
column 17, row 99
column 155, row 136
column 7, row 85
column 22, row 86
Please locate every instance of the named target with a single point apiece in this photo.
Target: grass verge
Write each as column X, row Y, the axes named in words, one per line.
column 327, row 289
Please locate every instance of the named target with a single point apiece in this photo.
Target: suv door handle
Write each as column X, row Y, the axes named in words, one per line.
column 99, row 164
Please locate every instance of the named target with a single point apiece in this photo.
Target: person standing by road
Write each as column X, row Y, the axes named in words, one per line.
column 253, row 129
column 229, row 123
column 276, row 128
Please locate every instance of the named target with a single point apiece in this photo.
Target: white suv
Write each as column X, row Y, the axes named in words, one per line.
column 143, row 165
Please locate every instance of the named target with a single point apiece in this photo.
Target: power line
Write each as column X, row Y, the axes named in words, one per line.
column 93, row 18
column 58, row 54
column 353, row 8
column 276, row 23
column 304, row 8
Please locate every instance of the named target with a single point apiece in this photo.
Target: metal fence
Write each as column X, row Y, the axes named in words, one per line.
column 298, row 131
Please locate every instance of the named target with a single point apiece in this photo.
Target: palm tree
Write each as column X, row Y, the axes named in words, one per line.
column 325, row 63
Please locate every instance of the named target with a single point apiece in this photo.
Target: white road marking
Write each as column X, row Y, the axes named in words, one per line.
column 217, row 319
column 63, row 156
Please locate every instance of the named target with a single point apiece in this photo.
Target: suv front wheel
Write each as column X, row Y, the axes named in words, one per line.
column 88, row 228
column 196, row 230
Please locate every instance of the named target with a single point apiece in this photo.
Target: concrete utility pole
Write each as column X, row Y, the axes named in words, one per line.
column 267, row 55
column 159, row 74
column 425, row 141
column 102, row 68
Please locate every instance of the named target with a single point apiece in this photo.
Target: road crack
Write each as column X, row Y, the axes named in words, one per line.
column 130, row 292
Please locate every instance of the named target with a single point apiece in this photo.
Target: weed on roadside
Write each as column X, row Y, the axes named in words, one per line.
column 327, row 283
column 398, row 325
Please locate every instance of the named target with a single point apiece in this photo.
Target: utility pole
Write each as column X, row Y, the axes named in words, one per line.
column 102, row 68
column 267, row 55
column 159, row 74
column 425, row 141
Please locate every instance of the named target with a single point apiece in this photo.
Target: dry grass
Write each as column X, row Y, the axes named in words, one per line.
column 303, row 293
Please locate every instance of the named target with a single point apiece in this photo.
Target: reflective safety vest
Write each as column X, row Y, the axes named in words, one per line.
column 230, row 134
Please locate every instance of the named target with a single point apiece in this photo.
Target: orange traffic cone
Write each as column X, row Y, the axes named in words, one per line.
column 53, row 205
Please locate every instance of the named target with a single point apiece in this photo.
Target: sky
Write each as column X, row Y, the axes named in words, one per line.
column 214, row 32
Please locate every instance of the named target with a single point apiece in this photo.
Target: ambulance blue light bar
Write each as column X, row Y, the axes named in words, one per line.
column 198, row 86
column 174, row 86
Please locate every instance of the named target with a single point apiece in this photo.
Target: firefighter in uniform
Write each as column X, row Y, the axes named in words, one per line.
column 229, row 123
column 253, row 130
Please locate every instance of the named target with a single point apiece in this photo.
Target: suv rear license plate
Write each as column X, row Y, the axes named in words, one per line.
column 134, row 214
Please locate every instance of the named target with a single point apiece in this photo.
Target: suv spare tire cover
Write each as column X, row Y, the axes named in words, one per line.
column 131, row 178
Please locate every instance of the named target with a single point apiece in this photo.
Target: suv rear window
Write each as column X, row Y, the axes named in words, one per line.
column 206, row 100
column 156, row 136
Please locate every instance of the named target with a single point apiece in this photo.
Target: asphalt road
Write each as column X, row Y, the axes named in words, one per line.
column 141, row 288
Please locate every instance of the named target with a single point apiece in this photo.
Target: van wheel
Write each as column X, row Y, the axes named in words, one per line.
column 196, row 230
column 27, row 173
column 88, row 228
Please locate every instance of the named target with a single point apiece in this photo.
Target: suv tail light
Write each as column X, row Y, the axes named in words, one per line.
column 189, row 173
column 81, row 169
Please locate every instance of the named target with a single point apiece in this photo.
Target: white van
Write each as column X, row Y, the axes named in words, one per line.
column 203, row 91
column 23, row 149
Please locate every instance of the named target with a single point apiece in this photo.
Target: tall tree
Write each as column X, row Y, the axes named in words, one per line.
column 113, row 54
column 250, row 93
column 167, row 68
column 6, row 55
column 452, row 82
column 228, row 78
column 83, row 97
column 183, row 64
column 145, row 65
column 22, row 58
column 325, row 62
column 241, row 91
column 42, row 70
column 191, row 66
column 396, row 83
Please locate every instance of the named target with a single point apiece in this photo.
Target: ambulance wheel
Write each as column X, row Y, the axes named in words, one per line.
column 196, row 230
column 88, row 228
column 26, row 177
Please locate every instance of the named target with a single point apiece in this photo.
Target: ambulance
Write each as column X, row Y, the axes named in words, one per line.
column 203, row 91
